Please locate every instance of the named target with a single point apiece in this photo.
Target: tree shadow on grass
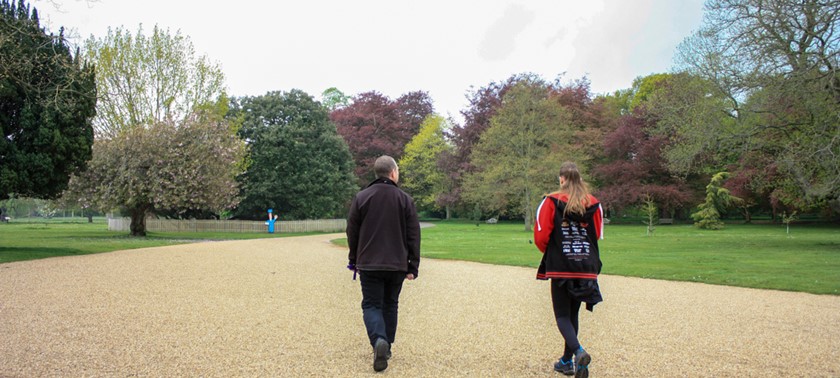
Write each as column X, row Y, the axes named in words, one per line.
column 8, row 254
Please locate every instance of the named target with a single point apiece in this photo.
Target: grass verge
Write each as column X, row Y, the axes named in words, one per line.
column 36, row 240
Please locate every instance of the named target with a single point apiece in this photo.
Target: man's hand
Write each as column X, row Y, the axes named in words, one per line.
column 409, row 276
column 352, row 266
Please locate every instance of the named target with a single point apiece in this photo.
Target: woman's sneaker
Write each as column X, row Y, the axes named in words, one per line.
column 582, row 360
column 564, row 367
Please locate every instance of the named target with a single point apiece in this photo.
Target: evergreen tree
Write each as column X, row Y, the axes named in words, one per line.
column 718, row 199
column 47, row 102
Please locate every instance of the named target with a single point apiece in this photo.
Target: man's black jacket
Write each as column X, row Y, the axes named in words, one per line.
column 383, row 231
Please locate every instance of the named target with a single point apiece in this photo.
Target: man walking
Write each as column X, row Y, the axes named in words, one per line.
column 383, row 234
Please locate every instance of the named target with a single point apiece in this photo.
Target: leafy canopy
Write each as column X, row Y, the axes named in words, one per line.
column 374, row 125
column 774, row 64
column 420, row 174
column 299, row 165
column 145, row 79
column 517, row 157
column 176, row 168
column 634, row 171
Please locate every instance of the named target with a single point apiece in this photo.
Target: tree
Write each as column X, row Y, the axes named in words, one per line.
column 412, row 109
column 367, row 126
column 718, row 200
column 333, row 99
column 484, row 102
column 516, row 157
column 420, row 175
column 754, row 178
column 447, row 163
column 635, row 171
column 693, row 116
column 47, row 101
column 170, row 167
column 299, row 165
column 776, row 63
column 644, row 87
column 142, row 80
column 373, row 125
column 156, row 84
column 587, row 117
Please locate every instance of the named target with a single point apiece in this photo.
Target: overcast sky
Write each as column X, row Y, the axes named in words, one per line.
column 444, row 47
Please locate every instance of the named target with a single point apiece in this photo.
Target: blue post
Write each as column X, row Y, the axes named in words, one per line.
column 270, row 221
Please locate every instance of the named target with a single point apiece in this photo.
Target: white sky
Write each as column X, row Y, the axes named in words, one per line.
column 444, row 47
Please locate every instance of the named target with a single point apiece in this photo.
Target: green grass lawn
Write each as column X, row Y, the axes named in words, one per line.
column 37, row 239
column 759, row 256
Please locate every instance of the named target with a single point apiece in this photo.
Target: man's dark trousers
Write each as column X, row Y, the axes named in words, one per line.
column 380, row 300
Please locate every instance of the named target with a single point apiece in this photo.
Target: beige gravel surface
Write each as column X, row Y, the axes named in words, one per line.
column 288, row 307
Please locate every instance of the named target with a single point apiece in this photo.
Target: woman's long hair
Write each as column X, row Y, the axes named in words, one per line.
column 575, row 188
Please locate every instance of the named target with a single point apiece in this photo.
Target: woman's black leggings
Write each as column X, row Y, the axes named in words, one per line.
column 566, row 310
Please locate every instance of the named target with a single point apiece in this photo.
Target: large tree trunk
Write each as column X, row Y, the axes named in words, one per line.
column 138, row 221
column 448, row 213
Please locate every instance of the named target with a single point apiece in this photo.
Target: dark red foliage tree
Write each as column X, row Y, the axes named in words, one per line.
column 412, row 108
column 373, row 125
column 635, row 169
column 589, row 117
column 577, row 98
column 756, row 180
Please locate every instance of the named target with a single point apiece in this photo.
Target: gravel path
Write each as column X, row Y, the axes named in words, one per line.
column 288, row 307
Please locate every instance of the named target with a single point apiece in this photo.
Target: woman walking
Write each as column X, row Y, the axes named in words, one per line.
column 569, row 223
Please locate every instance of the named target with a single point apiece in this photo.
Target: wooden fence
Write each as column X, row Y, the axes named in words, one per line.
column 192, row 225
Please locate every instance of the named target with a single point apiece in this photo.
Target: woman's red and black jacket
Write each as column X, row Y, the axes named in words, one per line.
column 569, row 242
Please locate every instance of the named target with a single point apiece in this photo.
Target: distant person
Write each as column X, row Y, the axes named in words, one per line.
column 568, row 225
column 383, row 234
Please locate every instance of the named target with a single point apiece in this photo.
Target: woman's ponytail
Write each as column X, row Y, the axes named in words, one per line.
column 575, row 188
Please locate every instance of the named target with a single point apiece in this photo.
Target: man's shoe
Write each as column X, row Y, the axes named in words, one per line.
column 582, row 360
column 565, row 367
column 380, row 354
